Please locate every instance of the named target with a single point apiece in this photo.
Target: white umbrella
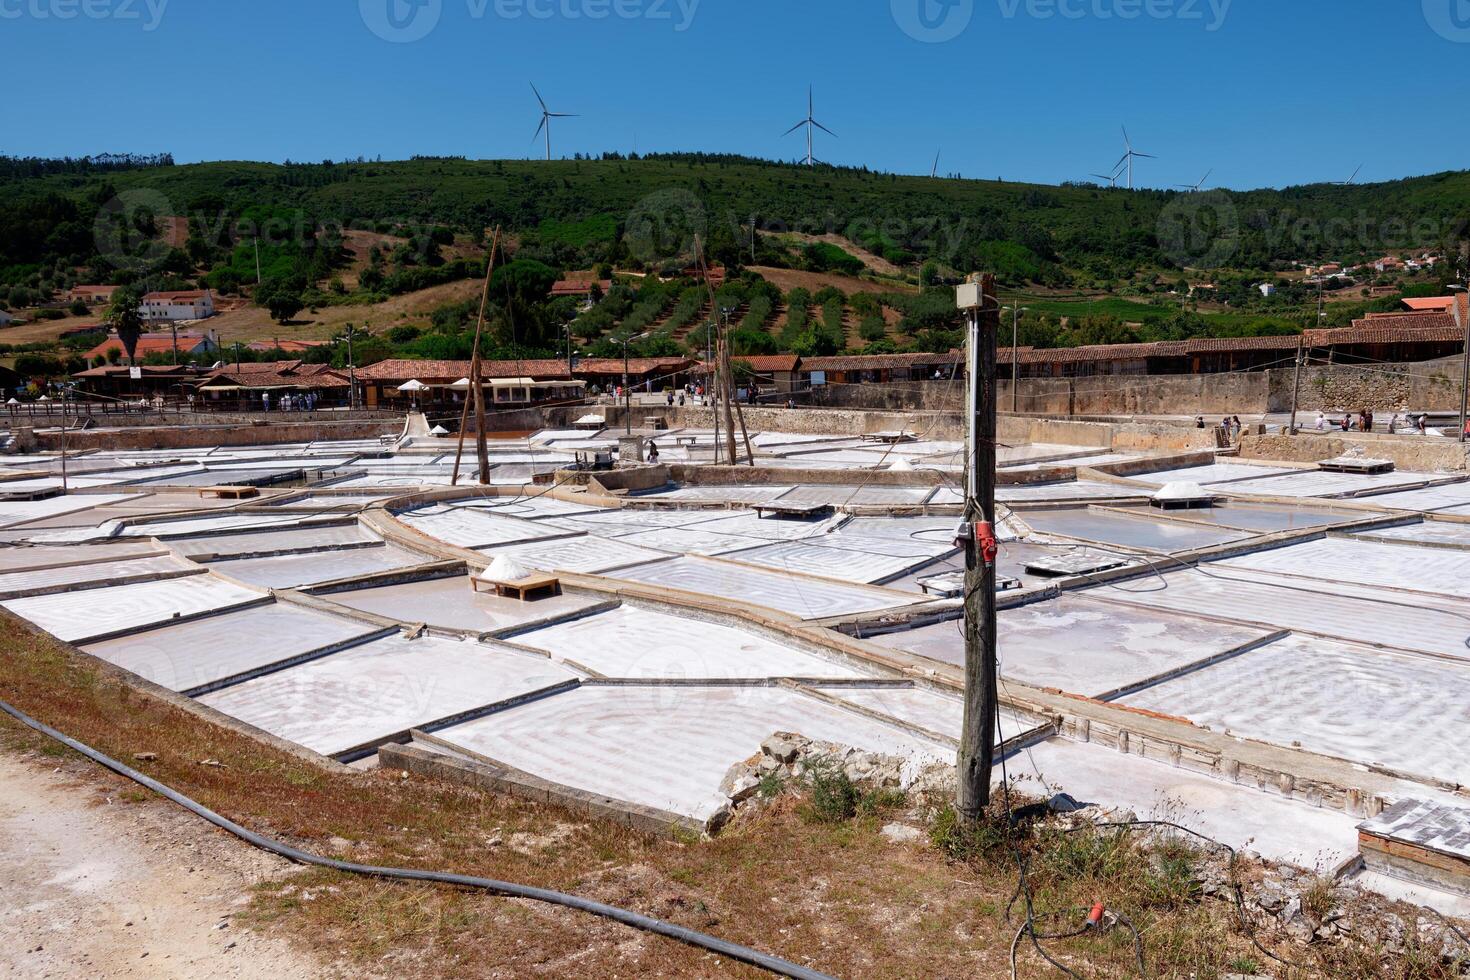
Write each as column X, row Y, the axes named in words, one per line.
column 43, row 398
column 463, row 384
column 13, row 402
column 438, row 430
column 413, row 386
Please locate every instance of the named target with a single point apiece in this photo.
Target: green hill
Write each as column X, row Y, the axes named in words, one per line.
column 579, row 211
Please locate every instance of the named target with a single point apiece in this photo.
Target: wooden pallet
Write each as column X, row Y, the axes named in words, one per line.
column 230, row 493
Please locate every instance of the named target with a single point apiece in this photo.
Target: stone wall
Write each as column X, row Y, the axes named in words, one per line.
column 1427, row 386
column 1121, row 395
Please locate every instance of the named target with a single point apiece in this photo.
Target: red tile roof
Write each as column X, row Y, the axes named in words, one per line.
column 149, row 343
column 150, row 370
column 282, row 374
column 447, row 372
column 290, row 346
column 579, row 287
column 1430, row 304
column 878, row 362
column 636, row 365
column 1372, row 332
column 769, row 363
column 177, row 296
column 1234, row 345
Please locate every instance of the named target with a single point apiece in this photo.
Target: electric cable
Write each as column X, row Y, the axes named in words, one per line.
column 734, row 951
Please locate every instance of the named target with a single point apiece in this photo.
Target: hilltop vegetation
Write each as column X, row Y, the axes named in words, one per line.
column 1089, row 262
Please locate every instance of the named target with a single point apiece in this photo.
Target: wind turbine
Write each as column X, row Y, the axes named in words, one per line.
column 809, row 122
column 1129, row 157
column 1195, row 188
column 546, row 116
column 1350, row 181
column 935, row 171
column 1111, row 178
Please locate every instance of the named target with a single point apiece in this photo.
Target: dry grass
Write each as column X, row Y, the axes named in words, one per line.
column 833, row 894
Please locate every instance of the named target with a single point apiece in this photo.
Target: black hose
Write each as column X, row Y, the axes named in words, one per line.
column 743, row 954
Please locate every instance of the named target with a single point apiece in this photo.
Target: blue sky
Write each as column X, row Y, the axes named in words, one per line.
column 1265, row 92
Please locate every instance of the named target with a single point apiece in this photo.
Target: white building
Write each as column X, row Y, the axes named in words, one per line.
column 185, row 305
column 1267, row 290
column 6, row 319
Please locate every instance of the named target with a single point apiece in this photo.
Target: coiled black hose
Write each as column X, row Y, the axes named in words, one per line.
column 734, row 951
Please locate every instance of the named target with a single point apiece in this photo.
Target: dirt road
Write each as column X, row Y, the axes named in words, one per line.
column 95, row 883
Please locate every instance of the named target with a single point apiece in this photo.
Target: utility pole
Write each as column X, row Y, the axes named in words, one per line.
column 257, row 262
column 1465, row 369
column 627, row 393
column 1016, row 311
column 978, row 734
column 1296, row 386
column 174, row 325
column 709, row 382
column 351, row 372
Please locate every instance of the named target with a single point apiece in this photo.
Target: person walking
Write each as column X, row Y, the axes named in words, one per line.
column 652, row 452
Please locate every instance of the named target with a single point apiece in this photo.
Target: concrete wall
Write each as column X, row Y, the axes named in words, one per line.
column 1414, row 455
column 193, row 437
column 942, row 426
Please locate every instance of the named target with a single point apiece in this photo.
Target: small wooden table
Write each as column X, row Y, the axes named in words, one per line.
column 525, row 589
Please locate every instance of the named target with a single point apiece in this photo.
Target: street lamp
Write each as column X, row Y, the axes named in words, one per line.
column 628, row 392
column 1016, row 311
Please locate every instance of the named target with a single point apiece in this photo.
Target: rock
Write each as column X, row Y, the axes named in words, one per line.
column 743, row 788
column 145, row 756
column 339, row 845
column 719, row 819
column 902, row 833
column 781, row 747
column 1298, row 928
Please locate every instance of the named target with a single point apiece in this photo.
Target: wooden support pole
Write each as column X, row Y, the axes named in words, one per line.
column 476, row 394
column 978, row 734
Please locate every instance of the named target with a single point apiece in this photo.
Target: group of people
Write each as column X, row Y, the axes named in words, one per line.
column 1364, row 422
column 1230, row 425
column 290, row 402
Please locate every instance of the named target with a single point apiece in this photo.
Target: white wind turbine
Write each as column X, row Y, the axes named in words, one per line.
column 810, row 122
column 935, row 171
column 1111, row 178
column 1131, row 155
column 1196, row 188
column 1351, row 180
column 546, row 116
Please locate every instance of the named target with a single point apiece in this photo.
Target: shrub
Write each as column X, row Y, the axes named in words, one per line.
column 834, row 796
